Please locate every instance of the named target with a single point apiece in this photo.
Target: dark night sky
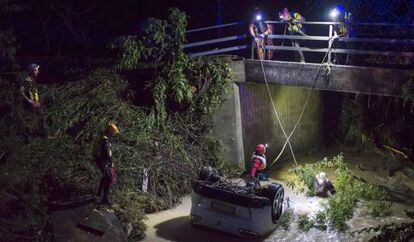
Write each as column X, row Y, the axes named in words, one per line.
column 61, row 28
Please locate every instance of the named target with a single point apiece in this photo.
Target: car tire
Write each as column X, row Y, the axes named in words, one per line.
column 208, row 174
column 276, row 193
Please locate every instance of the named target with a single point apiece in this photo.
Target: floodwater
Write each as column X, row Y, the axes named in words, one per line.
column 173, row 224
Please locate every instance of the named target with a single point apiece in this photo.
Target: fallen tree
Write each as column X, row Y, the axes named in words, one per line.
column 167, row 142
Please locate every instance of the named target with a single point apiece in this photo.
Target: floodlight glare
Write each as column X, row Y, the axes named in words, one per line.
column 258, row 17
column 334, row 13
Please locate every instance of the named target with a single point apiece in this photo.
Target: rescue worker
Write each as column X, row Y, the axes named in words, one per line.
column 323, row 185
column 259, row 30
column 293, row 27
column 102, row 155
column 344, row 29
column 258, row 163
column 31, row 99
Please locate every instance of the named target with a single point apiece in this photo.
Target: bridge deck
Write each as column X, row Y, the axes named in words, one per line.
column 367, row 80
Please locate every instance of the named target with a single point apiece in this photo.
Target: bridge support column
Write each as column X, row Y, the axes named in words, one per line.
column 227, row 121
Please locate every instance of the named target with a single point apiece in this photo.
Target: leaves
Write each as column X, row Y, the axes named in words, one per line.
column 349, row 190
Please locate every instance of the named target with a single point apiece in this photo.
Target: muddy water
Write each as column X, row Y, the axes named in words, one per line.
column 173, row 224
column 373, row 170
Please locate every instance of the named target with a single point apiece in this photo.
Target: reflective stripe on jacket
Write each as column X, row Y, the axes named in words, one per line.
column 32, row 91
column 295, row 27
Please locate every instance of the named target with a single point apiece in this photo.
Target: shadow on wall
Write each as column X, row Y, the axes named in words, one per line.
column 180, row 229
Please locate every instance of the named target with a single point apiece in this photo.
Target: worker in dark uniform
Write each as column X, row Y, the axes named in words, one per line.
column 323, row 185
column 258, row 163
column 293, row 27
column 259, row 30
column 103, row 158
column 28, row 90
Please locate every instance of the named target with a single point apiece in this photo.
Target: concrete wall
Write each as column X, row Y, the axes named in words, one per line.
column 260, row 124
column 227, row 121
column 246, row 118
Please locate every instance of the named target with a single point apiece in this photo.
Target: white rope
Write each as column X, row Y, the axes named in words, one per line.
column 274, row 108
column 301, row 114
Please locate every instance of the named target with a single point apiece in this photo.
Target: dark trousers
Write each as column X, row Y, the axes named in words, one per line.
column 105, row 183
column 35, row 123
column 296, row 43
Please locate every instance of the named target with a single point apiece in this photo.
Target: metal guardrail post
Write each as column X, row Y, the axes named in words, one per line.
column 252, row 50
column 330, row 42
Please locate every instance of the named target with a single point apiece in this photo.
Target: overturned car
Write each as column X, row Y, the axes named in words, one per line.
column 250, row 210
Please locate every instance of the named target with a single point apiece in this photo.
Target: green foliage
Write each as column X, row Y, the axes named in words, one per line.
column 305, row 223
column 349, row 190
column 391, row 232
column 196, row 84
column 130, row 213
column 171, row 147
column 321, row 221
column 286, row 219
column 369, row 123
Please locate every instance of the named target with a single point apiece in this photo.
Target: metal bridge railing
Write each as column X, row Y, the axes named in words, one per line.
column 330, row 40
column 326, row 40
column 215, row 49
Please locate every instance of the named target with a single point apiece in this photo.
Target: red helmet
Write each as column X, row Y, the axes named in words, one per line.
column 261, row 147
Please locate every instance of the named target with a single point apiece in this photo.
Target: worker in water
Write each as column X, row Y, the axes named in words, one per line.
column 294, row 27
column 259, row 30
column 344, row 29
column 323, row 185
column 258, row 163
column 28, row 89
column 102, row 155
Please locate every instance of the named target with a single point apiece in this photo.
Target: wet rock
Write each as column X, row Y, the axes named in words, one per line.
column 88, row 224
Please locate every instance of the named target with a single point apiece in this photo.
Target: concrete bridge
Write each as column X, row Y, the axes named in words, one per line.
column 247, row 118
column 340, row 78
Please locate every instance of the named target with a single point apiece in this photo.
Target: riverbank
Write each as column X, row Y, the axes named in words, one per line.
column 174, row 225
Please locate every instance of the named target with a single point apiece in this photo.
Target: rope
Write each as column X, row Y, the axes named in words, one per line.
column 302, row 111
column 274, row 108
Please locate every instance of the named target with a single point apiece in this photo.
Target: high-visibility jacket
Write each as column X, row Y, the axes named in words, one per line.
column 295, row 27
column 31, row 89
column 344, row 27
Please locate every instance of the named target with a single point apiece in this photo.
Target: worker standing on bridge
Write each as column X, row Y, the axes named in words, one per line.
column 259, row 30
column 294, row 27
column 344, row 29
column 258, row 163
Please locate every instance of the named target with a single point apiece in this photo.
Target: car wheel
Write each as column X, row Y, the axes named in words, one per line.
column 277, row 194
column 208, row 174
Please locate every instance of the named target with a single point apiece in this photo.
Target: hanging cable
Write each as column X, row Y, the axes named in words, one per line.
column 302, row 111
column 273, row 105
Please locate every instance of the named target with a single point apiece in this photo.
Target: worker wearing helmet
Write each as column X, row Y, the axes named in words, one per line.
column 258, row 162
column 323, row 185
column 294, row 28
column 28, row 89
column 344, row 29
column 103, row 158
column 259, row 30
column 31, row 99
